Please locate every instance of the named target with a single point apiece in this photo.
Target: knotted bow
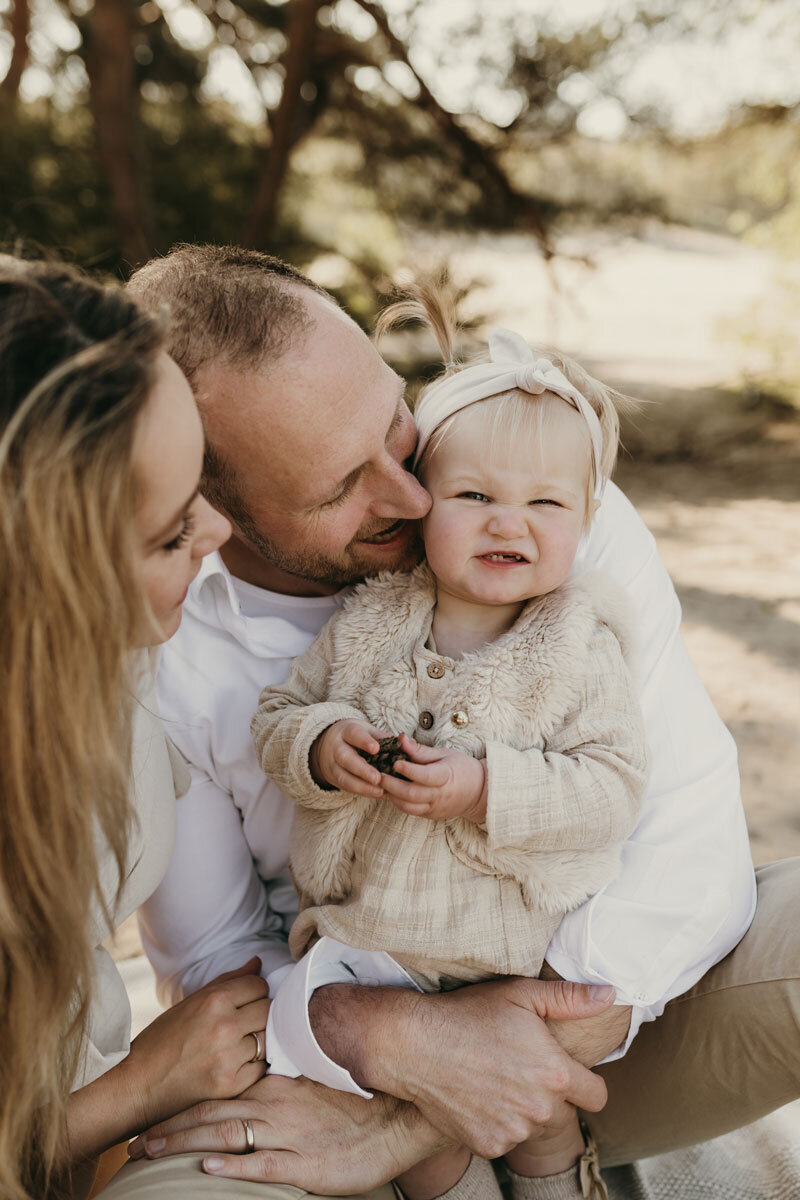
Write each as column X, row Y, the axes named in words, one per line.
column 512, row 365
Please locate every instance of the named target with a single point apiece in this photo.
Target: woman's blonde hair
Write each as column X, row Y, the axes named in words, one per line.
column 77, row 363
column 515, row 413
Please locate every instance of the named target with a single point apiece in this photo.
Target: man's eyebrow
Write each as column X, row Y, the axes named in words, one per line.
column 178, row 516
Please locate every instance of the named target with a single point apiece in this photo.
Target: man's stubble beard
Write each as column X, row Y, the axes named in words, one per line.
column 354, row 564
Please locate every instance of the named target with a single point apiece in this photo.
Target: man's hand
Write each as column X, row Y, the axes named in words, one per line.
column 442, row 783
column 334, row 760
column 590, row 1040
column 307, row 1135
column 480, row 1063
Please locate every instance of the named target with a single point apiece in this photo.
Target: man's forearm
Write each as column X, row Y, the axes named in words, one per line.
column 355, row 1026
column 479, row 1063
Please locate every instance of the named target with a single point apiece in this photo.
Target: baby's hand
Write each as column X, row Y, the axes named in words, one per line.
column 335, row 760
column 442, row 783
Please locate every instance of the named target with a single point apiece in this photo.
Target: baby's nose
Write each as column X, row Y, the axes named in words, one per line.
column 507, row 523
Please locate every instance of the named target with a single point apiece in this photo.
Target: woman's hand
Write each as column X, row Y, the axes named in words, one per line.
column 442, row 783
column 335, row 761
column 198, row 1050
column 201, row 1049
column 306, row 1135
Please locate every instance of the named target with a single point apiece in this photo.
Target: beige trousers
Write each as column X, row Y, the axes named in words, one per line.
column 722, row 1055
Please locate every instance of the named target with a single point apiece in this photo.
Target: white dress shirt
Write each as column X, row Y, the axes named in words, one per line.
column 684, row 897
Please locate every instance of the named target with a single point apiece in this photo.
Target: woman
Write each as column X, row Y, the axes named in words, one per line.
column 102, row 530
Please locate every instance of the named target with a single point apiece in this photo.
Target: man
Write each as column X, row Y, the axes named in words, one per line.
column 308, row 435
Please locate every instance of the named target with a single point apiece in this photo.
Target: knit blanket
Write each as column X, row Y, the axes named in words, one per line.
column 759, row 1162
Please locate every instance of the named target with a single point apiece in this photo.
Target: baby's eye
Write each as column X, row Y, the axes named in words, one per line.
column 472, row 496
column 545, row 500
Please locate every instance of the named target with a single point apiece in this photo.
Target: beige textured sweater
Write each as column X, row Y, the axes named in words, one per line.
column 552, row 707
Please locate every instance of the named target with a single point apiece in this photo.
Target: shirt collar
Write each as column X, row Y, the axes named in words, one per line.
column 213, row 568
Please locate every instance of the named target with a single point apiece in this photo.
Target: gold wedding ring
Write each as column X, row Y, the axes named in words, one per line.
column 248, row 1133
column 256, row 1057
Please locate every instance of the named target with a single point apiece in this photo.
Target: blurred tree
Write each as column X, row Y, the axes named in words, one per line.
column 298, row 68
column 352, row 118
column 129, row 53
column 19, row 28
column 108, row 51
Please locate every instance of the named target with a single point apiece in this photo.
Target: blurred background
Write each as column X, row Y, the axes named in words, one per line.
column 621, row 179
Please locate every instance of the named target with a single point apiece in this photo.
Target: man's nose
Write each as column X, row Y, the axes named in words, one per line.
column 506, row 523
column 401, row 494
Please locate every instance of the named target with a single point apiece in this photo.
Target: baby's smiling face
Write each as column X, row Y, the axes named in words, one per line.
column 506, row 519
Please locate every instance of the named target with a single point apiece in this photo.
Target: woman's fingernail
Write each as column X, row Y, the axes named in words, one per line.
column 606, row 992
column 213, row 1164
column 153, row 1145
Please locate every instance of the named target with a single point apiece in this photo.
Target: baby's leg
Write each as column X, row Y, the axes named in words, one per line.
column 453, row 1173
column 561, row 1167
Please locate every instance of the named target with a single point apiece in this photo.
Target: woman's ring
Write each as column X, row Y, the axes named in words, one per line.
column 256, row 1057
column 248, row 1133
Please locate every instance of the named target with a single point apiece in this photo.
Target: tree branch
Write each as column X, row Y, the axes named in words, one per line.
column 476, row 156
column 301, row 35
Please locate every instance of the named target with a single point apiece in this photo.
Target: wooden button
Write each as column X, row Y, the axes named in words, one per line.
column 435, row 670
column 425, row 720
column 460, row 718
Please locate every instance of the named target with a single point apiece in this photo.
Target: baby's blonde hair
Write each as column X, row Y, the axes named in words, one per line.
column 515, row 411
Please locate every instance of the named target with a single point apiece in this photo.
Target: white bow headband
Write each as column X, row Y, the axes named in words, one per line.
column 512, row 365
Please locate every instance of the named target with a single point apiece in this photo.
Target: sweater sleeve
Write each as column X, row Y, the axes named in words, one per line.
column 291, row 716
column 584, row 791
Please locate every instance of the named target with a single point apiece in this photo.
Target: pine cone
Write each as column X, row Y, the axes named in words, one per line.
column 384, row 760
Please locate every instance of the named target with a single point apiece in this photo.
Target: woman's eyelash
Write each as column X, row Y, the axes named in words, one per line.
column 186, row 529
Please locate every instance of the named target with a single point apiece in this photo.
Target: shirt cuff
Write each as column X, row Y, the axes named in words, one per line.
column 640, row 1013
column 292, row 1048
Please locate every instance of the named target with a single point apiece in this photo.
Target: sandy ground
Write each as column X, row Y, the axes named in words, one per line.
column 732, row 550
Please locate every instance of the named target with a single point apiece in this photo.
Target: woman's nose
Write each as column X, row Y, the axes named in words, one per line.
column 213, row 530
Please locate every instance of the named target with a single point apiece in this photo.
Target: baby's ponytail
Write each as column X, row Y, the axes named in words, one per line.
column 430, row 301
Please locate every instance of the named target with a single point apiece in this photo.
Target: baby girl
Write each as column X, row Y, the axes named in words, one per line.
column 508, row 681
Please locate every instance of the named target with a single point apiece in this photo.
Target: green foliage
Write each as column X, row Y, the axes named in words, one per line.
column 768, row 331
column 370, row 155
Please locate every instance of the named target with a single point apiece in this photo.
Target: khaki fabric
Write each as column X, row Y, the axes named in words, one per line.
column 551, row 705
column 722, row 1055
column 182, row 1177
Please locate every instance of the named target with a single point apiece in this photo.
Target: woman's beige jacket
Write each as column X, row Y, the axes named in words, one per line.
column 551, row 705
column 158, row 774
